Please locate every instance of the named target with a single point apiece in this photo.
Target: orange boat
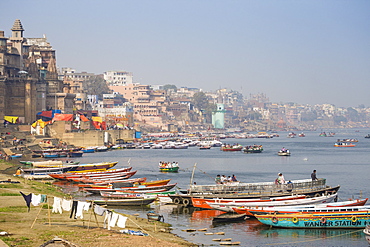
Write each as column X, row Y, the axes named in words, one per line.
column 154, row 182
column 344, row 144
column 203, row 203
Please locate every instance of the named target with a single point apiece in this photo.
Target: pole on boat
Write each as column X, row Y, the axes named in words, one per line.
column 192, row 174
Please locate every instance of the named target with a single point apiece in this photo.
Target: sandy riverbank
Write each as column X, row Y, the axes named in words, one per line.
column 17, row 221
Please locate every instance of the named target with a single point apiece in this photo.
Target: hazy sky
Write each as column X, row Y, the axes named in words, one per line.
column 309, row 52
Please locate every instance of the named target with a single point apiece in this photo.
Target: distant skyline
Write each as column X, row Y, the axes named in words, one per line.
column 308, row 52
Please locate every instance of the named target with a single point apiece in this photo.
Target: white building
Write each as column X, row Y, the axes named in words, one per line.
column 118, row 78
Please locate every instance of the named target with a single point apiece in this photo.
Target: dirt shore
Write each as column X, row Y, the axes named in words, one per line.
column 40, row 225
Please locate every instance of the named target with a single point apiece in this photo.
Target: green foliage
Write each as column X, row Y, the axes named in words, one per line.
column 15, row 209
column 10, row 194
column 96, row 85
column 168, row 86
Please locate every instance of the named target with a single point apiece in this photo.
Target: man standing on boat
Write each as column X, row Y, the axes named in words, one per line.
column 313, row 175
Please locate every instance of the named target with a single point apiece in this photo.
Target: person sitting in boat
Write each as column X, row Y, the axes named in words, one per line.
column 283, row 149
column 223, row 179
column 233, row 178
column 289, row 186
column 218, row 179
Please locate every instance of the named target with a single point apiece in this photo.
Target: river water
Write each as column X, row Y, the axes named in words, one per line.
column 345, row 166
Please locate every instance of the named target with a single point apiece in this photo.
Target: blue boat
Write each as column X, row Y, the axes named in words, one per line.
column 50, row 155
column 359, row 219
column 88, row 150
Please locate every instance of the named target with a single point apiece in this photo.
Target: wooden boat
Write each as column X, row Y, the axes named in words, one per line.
column 229, row 217
column 126, row 202
column 106, row 179
column 135, row 189
column 91, row 174
column 75, row 154
column 253, row 149
column 251, row 211
column 119, row 195
column 204, row 203
column 155, row 182
column 114, row 183
column 284, row 153
column 88, row 150
column 15, row 156
column 228, row 207
column 46, row 170
column 344, row 144
column 346, row 218
column 229, row 148
column 367, row 233
column 204, row 147
column 50, row 163
column 253, row 190
column 94, row 167
column 168, row 167
column 50, row 155
column 154, row 216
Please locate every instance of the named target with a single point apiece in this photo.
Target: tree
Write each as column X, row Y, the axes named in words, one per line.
column 200, row 100
column 96, row 85
column 168, row 86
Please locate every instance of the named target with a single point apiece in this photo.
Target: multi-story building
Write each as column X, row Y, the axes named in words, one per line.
column 118, row 78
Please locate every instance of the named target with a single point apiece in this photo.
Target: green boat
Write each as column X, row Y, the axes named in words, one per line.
column 169, row 169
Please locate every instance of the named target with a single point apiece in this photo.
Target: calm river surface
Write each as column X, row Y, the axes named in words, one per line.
column 348, row 167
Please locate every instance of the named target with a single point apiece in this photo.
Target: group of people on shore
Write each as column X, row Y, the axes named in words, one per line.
column 225, row 180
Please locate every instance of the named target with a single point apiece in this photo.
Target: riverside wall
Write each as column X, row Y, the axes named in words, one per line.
column 85, row 138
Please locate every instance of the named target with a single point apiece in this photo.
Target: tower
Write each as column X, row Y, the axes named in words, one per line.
column 18, row 40
column 218, row 117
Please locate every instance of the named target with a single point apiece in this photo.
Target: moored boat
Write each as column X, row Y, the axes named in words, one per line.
column 253, row 149
column 344, row 219
column 228, row 207
column 253, row 190
column 126, row 201
column 326, row 207
column 231, row 148
column 229, row 217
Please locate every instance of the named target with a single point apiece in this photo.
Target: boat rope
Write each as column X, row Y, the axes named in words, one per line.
column 318, row 239
column 140, row 227
column 205, row 173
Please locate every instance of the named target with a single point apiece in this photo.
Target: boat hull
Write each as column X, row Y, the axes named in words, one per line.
column 358, row 220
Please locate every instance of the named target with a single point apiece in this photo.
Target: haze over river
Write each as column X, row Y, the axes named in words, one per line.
column 345, row 166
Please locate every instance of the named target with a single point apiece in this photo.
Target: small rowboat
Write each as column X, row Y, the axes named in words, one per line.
column 228, row 148
column 344, row 144
column 229, row 217
column 126, row 202
column 154, row 216
column 169, row 169
column 284, row 153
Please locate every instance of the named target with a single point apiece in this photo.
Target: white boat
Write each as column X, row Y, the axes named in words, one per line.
column 367, row 233
column 228, row 207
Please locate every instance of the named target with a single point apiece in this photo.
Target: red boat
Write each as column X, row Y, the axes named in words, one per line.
column 97, row 174
column 104, row 184
column 123, row 175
